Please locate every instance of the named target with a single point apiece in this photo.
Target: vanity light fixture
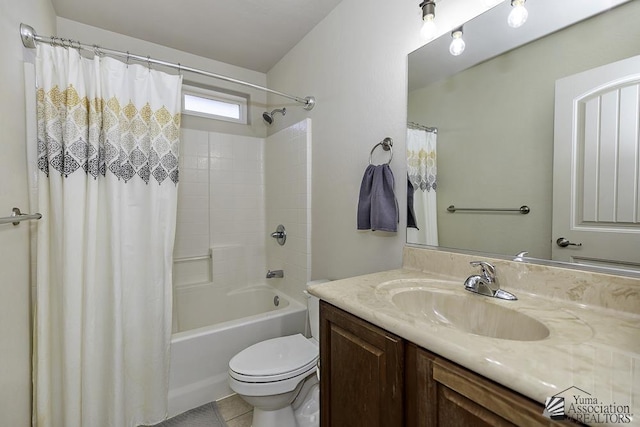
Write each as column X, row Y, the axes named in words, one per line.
column 518, row 14
column 457, row 44
column 429, row 29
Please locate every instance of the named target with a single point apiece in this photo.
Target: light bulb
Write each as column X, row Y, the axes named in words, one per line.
column 429, row 29
column 518, row 14
column 457, row 44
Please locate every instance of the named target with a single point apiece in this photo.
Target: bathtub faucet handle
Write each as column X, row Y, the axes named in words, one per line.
column 275, row 273
column 280, row 235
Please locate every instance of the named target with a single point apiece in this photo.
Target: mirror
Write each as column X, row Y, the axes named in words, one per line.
column 493, row 108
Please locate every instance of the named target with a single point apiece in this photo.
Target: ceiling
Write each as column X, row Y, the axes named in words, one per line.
column 253, row 34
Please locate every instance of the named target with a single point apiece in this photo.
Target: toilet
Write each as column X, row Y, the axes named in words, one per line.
column 279, row 377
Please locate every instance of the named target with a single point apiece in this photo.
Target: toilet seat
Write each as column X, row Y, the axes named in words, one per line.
column 277, row 359
column 304, row 370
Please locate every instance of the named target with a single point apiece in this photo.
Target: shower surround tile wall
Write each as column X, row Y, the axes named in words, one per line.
column 288, row 202
column 237, row 212
column 220, row 209
column 192, row 228
column 234, row 191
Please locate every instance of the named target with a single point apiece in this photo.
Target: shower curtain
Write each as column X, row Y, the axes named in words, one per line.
column 422, row 171
column 108, row 137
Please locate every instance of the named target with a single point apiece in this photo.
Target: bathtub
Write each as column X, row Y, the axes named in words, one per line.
column 214, row 323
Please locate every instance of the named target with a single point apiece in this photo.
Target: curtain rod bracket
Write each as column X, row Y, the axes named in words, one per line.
column 27, row 34
column 310, row 103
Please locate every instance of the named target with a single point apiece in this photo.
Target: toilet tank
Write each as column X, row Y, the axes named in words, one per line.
column 313, row 305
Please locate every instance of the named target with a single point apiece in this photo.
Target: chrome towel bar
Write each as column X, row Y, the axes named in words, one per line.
column 522, row 209
column 17, row 217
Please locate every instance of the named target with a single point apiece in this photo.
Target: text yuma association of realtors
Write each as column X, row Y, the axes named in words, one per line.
column 589, row 410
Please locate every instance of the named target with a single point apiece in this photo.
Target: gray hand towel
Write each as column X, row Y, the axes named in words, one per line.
column 364, row 200
column 377, row 204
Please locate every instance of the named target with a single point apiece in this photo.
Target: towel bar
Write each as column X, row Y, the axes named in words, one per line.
column 17, row 216
column 387, row 145
column 522, row 209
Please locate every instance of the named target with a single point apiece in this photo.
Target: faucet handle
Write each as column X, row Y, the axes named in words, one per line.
column 488, row 270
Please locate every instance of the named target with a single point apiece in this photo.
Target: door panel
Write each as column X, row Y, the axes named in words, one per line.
column 596, row 189
column 361, row 372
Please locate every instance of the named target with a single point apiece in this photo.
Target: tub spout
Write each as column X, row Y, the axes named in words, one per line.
column 275, row 273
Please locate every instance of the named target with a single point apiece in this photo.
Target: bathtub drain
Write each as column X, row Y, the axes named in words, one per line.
column 276, row 300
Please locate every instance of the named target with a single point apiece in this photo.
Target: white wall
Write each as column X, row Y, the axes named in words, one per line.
column 15, row 326
column 355, row 63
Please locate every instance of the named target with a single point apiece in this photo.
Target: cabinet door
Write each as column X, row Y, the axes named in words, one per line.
column 361, row 372
column 465, row 398
column 421, row 392
column 455, row 410
column 440, row 393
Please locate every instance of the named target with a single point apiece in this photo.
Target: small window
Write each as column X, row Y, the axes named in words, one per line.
column 213, row 104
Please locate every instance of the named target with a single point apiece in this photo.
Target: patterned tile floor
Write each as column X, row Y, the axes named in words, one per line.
column 235, row 411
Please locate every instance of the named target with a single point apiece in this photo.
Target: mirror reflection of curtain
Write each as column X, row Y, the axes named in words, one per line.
column 422, row 171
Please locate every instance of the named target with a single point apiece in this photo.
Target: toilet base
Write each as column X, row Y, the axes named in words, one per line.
column 279, row 417
column 306, row 408
column 299, row 408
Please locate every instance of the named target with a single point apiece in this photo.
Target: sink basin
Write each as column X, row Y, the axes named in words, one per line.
column 470, row 313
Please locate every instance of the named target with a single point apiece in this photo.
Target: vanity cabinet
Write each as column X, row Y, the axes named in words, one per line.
column 361, row 372
column 370, row 377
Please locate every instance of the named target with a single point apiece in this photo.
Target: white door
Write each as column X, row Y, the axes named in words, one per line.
column 596, row 171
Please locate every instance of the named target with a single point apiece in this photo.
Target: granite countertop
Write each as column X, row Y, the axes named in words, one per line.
column 591, row 356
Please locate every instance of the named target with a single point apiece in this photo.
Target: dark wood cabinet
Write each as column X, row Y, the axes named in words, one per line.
column 361, row 372
column 370, row 377
column 446, row 394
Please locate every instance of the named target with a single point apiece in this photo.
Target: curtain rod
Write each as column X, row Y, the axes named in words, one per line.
column 414, row 125
column 29, row 39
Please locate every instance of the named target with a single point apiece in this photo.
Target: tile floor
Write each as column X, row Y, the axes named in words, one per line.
column 235, row 411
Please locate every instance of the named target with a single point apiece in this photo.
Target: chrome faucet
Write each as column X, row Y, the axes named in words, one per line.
column 275, row 273
column 486, row 283
column 520, row 256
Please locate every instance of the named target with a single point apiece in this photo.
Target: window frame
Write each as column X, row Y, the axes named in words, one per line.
column 215, row 95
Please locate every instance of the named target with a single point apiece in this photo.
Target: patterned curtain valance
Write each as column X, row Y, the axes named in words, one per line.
column 88, row 126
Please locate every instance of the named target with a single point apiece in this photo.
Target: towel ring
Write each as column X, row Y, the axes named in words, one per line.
column 387, row 145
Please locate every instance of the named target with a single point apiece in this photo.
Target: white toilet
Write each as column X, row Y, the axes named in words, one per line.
column 279, row 378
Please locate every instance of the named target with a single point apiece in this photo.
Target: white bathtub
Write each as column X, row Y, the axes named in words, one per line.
column 215, row 323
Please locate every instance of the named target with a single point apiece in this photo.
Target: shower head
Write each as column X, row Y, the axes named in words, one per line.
column 268, row 117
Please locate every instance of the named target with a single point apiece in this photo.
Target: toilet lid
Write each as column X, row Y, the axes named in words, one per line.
column 275, row 359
